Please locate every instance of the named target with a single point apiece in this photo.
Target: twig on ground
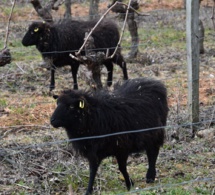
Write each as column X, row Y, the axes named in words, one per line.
column 3, row 157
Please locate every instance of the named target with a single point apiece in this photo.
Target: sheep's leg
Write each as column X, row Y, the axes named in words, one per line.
column 109, row 66
column 93, row 170
column 52, row 84
column 97, row 77
column 124, row 70
column 74, row 70
column 120, row 61
column 122, row 161
column 152, row 154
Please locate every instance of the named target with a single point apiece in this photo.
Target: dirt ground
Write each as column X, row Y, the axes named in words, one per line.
column 35, row 159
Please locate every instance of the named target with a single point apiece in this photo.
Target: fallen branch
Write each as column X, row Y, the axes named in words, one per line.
column 3, row 157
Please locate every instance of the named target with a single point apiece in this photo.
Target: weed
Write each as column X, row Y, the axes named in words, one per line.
column 178, row 191
column 3, row 103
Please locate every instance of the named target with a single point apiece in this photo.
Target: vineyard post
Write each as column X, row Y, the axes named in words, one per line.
column 192, row 35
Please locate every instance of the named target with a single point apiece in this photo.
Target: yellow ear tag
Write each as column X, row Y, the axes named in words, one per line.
column 36, row 29
column 81, row 104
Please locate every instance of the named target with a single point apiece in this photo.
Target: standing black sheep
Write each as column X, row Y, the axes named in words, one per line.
column 56, row 41
column 136, row 104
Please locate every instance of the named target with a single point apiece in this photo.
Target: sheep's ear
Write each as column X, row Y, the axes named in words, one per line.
column 55, row 97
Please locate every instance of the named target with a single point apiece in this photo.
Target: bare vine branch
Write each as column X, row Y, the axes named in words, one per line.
column 57, row 4
column 134, row 10
column 102, row 17
column 5, row 56
column 99, row 21
column 93, row 61
column 212, row 17
column 90, row 33
column 123, row 29
column 8, row 24
column 44, row 12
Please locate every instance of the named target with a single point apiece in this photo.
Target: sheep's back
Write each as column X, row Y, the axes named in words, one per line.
column 122, row 116
column 106, row 36
column 137, row 110
column 67, row 36
column 72, row 33
column 152, row 91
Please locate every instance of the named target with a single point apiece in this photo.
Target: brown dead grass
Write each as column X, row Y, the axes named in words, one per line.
column 27, row 111
column 79, row 10
column 17, row 114
column 178, row 95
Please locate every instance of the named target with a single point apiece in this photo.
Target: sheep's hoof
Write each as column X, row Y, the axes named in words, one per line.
column 149, row 180
column 132, row 184
column 75, row 86
column 109, row 83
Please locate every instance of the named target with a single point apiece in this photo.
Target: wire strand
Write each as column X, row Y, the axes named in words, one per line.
column 103, row 136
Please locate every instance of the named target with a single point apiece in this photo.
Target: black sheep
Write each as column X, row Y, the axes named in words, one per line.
column 56, row 41
column 136, row 104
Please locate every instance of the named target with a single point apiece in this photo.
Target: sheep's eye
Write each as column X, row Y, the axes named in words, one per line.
column 36, row 29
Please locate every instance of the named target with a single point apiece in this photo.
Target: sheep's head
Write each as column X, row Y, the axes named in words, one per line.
column 70, row 111
column 35, row 33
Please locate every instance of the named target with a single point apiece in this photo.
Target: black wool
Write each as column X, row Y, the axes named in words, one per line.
column 56, row 41
column 134, row 105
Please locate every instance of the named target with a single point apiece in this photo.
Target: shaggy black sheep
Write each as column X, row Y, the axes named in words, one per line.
column 56, row 41
column 136, row 104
